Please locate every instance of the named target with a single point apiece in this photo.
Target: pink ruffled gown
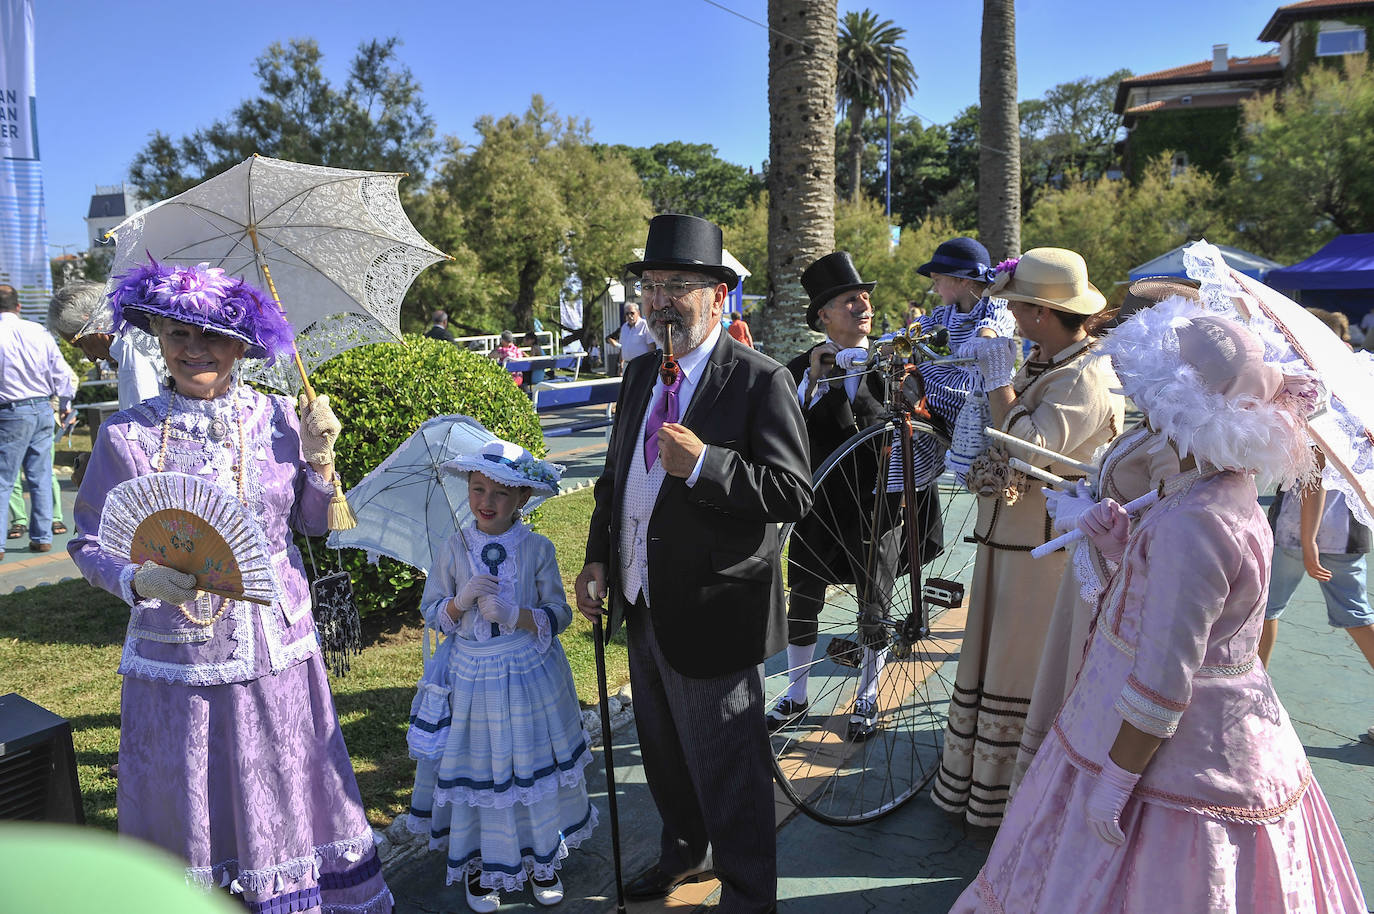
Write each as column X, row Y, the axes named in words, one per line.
column 1227, row 816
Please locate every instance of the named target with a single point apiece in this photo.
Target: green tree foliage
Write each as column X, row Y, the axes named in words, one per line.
column 874, row 70
column 690, row 178
column 376, row 121
column 383, row 393
column 746, row 236
column 1070, row 132
column 537, row 202
column 1117, row 225
column 921, row 172
column 1302, row 170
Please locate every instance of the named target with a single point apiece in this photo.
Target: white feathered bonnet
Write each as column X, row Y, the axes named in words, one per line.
column 510, row 465
column 1201, row 380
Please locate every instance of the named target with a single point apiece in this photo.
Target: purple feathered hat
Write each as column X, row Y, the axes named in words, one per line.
column 205, row 297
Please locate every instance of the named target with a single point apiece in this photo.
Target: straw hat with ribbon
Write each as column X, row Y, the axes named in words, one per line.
column 1053, row 277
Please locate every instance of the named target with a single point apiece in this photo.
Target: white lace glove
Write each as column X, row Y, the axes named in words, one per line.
column 847, row 359
column 1106, row 799
column 1107, row 525
column 319, row 430
column 995, row 360
column 495, row 609
column 158, row 582
column 1066, row 508
column 477, row 587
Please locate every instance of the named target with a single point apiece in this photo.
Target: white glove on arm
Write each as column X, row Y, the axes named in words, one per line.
column 1107, row 525
column 319, row 430
column 495, row 609
column 158, row 582
column 1067, row 507
column 1106, row 799
column 996, row 362
column 477, row 587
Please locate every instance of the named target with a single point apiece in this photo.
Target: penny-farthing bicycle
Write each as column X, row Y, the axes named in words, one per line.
column 882, row 558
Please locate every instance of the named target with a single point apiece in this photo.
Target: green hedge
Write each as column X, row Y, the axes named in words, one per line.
column 382, row 393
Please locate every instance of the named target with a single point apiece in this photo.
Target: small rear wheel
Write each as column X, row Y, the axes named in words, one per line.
column 880, row 577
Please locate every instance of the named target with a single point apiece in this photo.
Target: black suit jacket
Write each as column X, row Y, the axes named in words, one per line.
column 834, row 419
column 715, row 581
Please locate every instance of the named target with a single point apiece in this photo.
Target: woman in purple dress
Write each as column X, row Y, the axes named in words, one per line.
column 1172, row 779
column 231, row 755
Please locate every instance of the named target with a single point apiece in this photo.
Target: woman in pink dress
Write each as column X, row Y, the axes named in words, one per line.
column 1172, row 779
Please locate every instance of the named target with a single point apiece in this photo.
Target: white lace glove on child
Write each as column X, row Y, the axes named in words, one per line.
column 995, row 360
column 319, row 430
column 1107, row 525
column 496, row 608
column 477, row 587
column 158, row 582
column 1066, row 508
column 1106, row 799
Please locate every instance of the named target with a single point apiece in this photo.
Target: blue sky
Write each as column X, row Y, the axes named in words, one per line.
column 642, row 71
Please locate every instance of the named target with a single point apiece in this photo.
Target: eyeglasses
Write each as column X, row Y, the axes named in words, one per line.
column 674, row 290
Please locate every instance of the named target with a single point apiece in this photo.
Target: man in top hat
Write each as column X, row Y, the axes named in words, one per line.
column 838, row 400
column 707, row 457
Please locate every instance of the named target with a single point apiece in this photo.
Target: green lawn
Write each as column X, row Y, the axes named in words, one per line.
column 60, row 646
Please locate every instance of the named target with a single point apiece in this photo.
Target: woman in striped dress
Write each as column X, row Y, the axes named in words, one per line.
column 960, row 270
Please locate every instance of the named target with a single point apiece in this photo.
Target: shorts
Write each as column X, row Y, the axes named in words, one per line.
column 1347, row 603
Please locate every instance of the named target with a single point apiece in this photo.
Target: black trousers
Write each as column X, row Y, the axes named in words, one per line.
column 708, row 762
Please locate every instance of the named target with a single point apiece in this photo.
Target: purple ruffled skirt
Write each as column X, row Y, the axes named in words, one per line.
column 252, row 785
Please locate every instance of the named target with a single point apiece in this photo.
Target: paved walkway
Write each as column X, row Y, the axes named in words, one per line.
column 917, row 858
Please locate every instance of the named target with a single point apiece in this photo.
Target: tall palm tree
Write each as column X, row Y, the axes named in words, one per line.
column 801, row 162
column 999, row 128
column 865, row 48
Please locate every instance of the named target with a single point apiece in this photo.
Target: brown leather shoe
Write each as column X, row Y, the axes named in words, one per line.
column 39, row 547
column 655, row 882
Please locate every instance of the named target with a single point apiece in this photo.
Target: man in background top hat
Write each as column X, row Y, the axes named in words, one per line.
column 838, row 400
column 704, row 462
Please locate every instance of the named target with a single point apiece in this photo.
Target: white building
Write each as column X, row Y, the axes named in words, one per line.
column 109, row 207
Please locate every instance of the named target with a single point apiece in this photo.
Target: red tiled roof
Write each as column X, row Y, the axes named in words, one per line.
column 1286, row 15
column 1237, row 67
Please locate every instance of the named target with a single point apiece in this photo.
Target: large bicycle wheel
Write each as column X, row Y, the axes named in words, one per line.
column 881, row 576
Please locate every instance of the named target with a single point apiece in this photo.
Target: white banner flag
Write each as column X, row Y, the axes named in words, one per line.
column 23, row 220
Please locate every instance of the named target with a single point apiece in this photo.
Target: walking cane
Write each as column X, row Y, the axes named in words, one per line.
column 597, row 633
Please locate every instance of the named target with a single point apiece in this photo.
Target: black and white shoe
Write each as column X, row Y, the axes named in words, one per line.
column 480, row 899
column 863, row 722
column 786, row 711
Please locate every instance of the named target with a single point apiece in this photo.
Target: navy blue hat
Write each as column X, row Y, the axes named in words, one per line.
column 681, row 242
column 964, row 257
column 827, row 277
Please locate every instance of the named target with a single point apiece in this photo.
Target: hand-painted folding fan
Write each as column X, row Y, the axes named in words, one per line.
column 194, row 526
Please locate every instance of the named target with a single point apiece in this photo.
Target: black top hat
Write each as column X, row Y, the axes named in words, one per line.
column 964, row 257
column 681, row 242
column 828, row 277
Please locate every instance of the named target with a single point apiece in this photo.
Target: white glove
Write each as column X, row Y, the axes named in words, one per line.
column 319, row 429
column 1107, row 525
column 478, row 586
column 847, row 359
column 1106, row 799
column 158, row 582
column 996, row 361
column 1066, row 507
column 495, row 609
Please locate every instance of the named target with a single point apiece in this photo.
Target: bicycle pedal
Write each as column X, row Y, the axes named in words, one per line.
column 941, row 592
column 845, row 652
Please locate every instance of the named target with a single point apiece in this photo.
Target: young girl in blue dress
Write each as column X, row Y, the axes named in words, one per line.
column 495, row 726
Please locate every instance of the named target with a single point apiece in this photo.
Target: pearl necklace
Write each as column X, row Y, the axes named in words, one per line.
column 216, row 432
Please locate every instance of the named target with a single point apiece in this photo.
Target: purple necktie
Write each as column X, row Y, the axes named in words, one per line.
column 665, row 410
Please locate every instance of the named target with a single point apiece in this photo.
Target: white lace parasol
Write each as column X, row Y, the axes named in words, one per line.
column 338, row 246
column 1298, row 343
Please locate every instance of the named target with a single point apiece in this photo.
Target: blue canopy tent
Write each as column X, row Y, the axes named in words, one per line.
column 1338, row 277
column 1171, row 264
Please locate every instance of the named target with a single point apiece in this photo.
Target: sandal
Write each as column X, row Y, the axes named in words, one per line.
column 18, row 530
column 58, row 528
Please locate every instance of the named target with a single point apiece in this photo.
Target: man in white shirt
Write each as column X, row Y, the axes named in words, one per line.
column 635, row 339
column 32, row 372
